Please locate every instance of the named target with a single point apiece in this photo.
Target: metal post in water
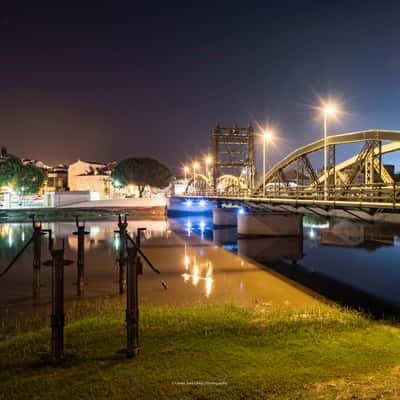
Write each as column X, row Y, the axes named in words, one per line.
column 122, row 253
column 37, row 257
column 138, row 243
column 138, row 235
column 57, row 304
column 80, row 262
column 132, row 305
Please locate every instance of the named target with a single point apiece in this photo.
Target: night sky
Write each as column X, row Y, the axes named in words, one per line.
column 127, row 79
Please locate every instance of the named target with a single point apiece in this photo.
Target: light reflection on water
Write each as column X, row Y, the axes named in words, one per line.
column 352, row 262
column 195, row 273
column 101, row 251
column 196, row 269
column 190, row 255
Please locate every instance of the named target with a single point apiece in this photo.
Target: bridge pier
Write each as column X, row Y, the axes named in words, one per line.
column 269, row 224
column 271, row 249
column 224, row 235
column 225, row 216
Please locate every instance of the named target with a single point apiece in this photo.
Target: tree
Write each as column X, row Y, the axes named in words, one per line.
column 22, row 178
column 141, row 172
column 31, row 179
column 10, row 170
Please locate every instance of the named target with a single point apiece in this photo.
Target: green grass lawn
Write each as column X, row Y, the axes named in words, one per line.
column 250, row 353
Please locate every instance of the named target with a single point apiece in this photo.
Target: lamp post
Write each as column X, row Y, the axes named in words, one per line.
column 117, row 185
column 267, row 137
column 23, row 195
column 195, row 166
column 327, row 110
column 186, row 170
column 208, row 162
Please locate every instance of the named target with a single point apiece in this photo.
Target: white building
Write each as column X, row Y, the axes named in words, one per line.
column 91, row 176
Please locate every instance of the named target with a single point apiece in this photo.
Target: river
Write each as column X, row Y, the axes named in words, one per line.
column 353, row 263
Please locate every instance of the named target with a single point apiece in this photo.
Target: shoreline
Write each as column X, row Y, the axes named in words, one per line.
column 69, row 214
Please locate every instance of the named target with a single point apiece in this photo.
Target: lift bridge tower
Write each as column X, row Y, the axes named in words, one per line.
column 233, row 152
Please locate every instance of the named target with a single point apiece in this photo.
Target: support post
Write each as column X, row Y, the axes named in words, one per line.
column 80, row 261
column 122, row 253
column 57, row 304
column 138, row 235
column 331, row 169
column 138, row 243
column 132, row 305
column 37, row 257
column 251, row 158
column 380, row 159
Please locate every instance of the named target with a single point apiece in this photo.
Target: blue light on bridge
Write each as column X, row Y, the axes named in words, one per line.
column 189, row 227
column 188, row 203
column 241, row 211
column 202, row 225
column 202, row 203
column 231, row 247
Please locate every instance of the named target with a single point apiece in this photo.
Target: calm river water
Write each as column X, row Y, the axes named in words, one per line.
column 349, row 262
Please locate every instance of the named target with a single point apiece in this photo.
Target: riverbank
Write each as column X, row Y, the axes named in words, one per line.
column 219, row 351
column 89, row 210
column 87, row 214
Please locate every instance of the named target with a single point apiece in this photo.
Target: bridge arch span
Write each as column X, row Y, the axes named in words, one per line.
column 368, row 136
column 201, row 184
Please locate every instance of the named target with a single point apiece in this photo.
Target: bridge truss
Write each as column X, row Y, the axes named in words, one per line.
column 363, row 175
column 233, row 152
column 358, row 182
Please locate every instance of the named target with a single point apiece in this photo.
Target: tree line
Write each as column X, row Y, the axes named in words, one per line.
column 22, row 178
column 29, row 179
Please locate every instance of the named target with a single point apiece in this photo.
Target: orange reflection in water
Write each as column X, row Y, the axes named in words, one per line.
column 196, row 272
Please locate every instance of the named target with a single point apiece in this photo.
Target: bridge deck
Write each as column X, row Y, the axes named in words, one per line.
column 299, row 202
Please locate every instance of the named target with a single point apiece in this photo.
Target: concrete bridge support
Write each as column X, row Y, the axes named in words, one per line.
column 224, row 235
column 225, row 216
column 269, row 224
column 271, row 249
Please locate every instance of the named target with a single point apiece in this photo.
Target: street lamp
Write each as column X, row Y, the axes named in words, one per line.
column 195, row 166
column 23, row 193
column 267, row 136
column 328, row 110
column 208, row 162
column 186, row 170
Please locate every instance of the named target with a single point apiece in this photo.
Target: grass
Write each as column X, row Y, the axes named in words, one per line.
column 216, row 352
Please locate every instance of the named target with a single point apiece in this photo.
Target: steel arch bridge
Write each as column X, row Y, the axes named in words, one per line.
column 363, row 173
column 362, row 183
column 226, row 184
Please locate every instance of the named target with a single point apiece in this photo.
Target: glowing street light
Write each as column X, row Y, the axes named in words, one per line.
column 208, row 162
column 328, row 110
column 23, row 195
column 267, row 137
column 185, row 170
column 195, row 166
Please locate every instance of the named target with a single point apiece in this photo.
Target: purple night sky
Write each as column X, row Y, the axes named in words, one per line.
column 126, row 79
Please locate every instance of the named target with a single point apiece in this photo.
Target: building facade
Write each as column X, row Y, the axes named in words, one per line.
column 91, row 176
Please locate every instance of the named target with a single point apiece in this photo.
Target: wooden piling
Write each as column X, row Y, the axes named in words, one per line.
column 80, row 261
column 122, row 253
column 37, row 257
column 132, row 304
column 57, row 305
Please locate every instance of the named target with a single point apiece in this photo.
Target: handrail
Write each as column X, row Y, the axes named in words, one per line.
column 374, row 192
